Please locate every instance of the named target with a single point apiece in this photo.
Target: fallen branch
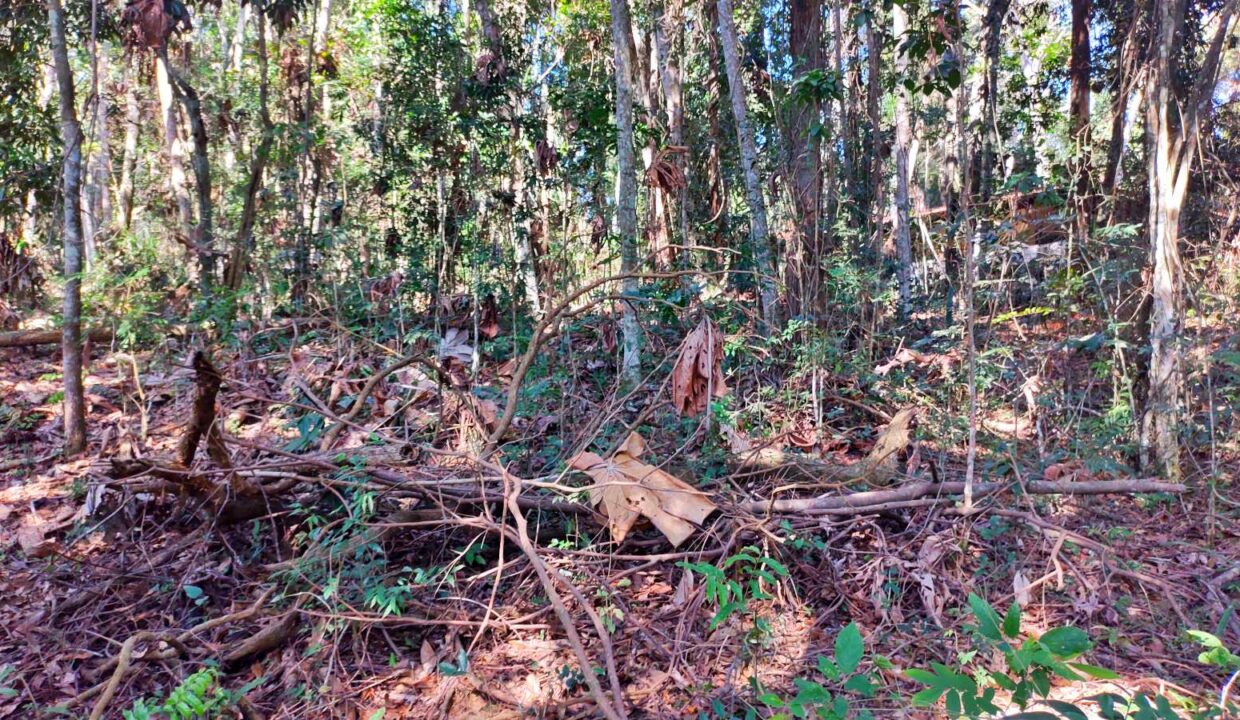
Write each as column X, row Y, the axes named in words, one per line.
column 875, row 500
column 123, row 662
column 29, row 338
column 612, row 712
column 359, row 402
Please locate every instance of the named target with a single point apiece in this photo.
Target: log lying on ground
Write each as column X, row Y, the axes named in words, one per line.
column 29, row 338
column 878, row 500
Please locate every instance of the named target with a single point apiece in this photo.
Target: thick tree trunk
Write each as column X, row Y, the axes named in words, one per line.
column 1172, row 127
column 804, row 253
column 1078, row 125
column 904, row 244
column 626, row 187
column 71, row 188
column 758, row 235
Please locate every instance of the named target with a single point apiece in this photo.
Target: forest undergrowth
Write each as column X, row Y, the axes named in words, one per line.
column 369, row 521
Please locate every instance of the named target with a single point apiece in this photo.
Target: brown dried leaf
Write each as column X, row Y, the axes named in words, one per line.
column 698, row 373
column 629, row 489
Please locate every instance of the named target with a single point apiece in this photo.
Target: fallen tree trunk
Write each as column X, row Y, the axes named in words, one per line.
column 877, row 500
column 30, row 338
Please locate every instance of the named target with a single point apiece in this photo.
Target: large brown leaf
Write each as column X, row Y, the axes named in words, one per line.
column 698, row 374
column 628, row 489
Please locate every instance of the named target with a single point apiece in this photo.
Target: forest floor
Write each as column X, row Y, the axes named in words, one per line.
column 360, row 594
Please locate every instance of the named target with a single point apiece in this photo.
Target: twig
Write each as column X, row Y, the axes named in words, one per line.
column 360, row 401
column 612, row 712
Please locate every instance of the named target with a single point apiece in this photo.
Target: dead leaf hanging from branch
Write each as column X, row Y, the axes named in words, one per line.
column 698, row 374
column 628, row 489
column 665, row 174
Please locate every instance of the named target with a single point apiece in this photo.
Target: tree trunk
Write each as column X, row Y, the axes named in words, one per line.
column 203, row 235
column 995, row 14
column 804, row 253
column 71, row 187
column 874, row 91
column 749, row 165
column 669, row 51
column 97, row 215
column 904, row 244
column 1172, row 127
column 176, row 156
column 1129, row 55
column 258, row 165
column 626, row 187
column 129, row 157
column 1078, row 125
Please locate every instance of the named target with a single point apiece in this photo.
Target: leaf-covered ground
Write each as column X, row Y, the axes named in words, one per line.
column 385, row 574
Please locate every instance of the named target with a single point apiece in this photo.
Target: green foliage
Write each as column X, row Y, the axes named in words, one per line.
column 738, row 581
column 841, row 681
column 1030, row 665
column 970, row 689
column 198, row 697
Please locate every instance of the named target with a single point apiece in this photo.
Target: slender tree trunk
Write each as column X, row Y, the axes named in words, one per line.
column 874, row 92
column 1129, row 54
column 97, row 215
column 670, row 75
column 904, row 244
column 1172, row 127
column 749, row 165
column 177, row 181
column 203, row 235
column 715, row 179
column 71, row 188
column 129, row 156
column 804, row 253
column 258, row 166
column 995, row 14
column 626, row 187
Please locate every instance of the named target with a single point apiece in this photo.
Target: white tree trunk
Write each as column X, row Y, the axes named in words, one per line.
column 749, row 164
column 176, row 154
column 904, row 245
column 626, row 187
column 71, row 135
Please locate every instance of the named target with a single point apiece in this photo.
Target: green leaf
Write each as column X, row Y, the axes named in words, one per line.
column 1065, row 642
column 1207, row 639
column 987, row 618
column 1096, row 672
column 193, row 592
column 922, row 676
column 860, row 684
column 378, row 714
column 1067, row 710
column 770, row 699
column 849, row 648
column 1011, row 621
column 927, row 697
